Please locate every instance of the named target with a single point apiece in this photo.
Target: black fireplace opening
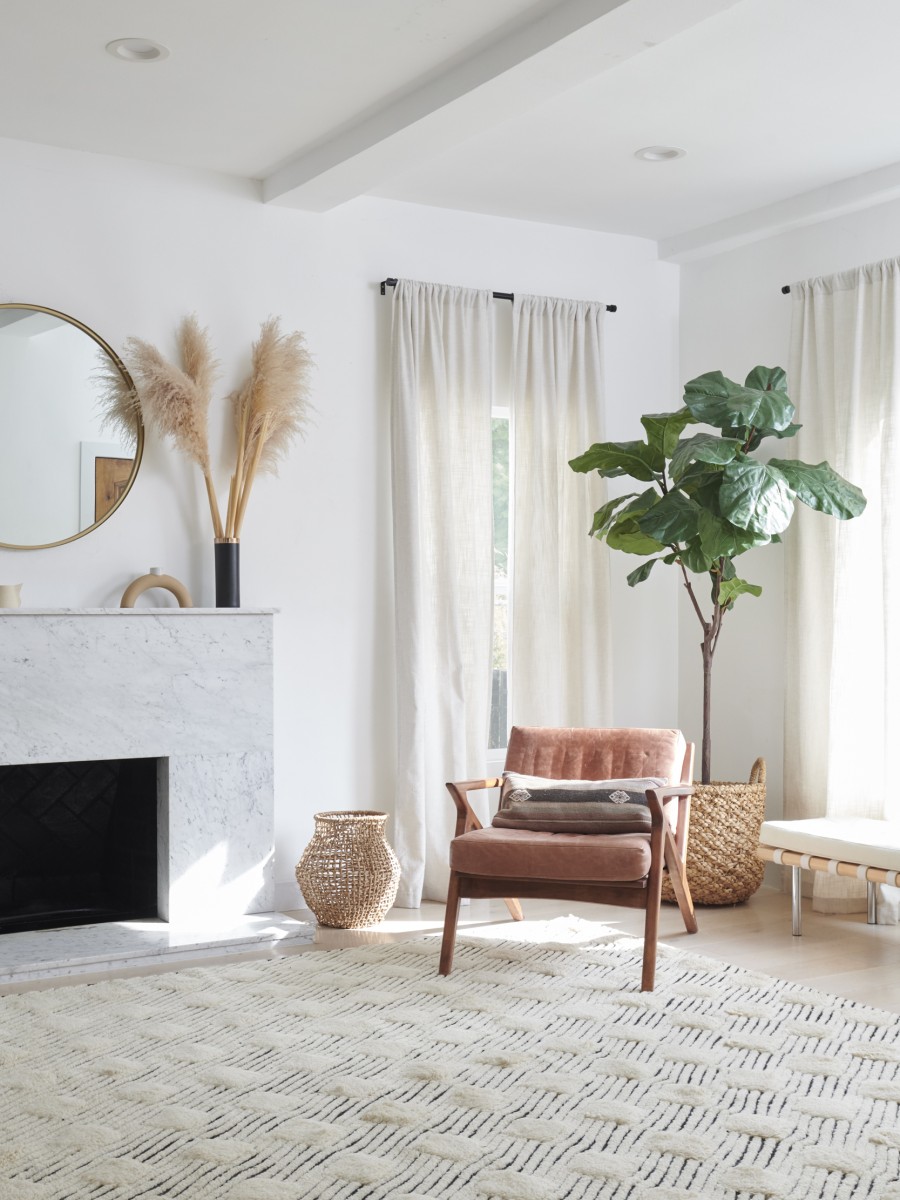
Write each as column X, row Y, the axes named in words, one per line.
column 78, row 843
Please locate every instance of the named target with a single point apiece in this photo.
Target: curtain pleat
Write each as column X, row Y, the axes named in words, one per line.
column 842, row 591
column 441, row 370
column 560, row 657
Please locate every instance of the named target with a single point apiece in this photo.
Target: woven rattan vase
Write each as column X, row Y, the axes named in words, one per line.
column 348, row 874
column 722, row 867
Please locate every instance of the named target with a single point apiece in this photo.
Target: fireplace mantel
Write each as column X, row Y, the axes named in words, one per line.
column 146, row 611
column 191, row 687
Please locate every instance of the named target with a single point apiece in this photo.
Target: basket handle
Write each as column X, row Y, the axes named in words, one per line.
column 758, row 771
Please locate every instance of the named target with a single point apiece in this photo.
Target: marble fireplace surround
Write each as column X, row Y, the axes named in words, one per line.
column 190, row 687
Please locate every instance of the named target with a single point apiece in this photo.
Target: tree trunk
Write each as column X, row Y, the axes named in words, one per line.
column 707, row 646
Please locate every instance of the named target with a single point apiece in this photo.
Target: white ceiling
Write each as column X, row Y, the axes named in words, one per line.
column 788, row 109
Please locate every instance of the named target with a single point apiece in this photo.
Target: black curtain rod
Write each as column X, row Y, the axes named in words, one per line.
column 386, row 283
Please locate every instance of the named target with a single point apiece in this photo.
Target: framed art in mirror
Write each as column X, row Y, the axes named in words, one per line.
column 64, row 469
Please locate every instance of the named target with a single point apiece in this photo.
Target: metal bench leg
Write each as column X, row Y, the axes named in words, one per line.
column 871, row 903
column 795, row 901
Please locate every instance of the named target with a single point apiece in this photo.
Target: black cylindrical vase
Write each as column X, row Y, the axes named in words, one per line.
column 228, row 573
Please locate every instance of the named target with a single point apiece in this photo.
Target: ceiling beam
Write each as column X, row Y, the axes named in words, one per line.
column 808, row 208
column 512, row 73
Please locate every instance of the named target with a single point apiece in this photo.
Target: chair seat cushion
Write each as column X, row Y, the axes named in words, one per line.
column 527, row 854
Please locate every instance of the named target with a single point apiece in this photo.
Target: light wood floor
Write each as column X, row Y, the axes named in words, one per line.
column 838, row 954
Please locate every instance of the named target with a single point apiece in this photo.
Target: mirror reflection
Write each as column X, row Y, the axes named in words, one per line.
column 64, row 467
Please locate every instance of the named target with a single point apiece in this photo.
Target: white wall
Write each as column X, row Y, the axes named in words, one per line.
column 734, row 316
column 129, row 249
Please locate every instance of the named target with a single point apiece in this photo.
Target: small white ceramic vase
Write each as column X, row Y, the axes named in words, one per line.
column 10, row 595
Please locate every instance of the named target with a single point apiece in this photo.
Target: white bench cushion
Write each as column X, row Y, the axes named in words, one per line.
column 854, row 840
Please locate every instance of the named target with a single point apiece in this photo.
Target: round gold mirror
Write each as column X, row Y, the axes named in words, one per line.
column 72, row 439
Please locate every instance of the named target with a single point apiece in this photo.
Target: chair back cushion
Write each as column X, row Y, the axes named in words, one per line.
column 596, row 753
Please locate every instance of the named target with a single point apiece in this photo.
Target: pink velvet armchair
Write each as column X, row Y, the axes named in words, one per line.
column 607, row 868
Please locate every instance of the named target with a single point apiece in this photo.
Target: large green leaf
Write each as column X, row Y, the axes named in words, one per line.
column 673, row 518
column 639, row 575
column 715, row 400
column 603, row 517
column 767, row 379
column 730, row 589
column 626, row 535
column 788, row 432
column 694, row 558
column 705, row 448
column 720, row 539
column 700, row 476
column 707, row 494
column 611, row 459
column 822, row 488
column 756, row 496
column 640, row 504
column 664, row 429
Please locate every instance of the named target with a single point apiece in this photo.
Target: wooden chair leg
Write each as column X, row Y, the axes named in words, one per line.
column 680, row 885
column 651, row 934
column 654, row 901
column 450, row 920
column 515, row 908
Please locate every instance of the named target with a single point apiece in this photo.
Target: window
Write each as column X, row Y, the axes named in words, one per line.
column 501, row 485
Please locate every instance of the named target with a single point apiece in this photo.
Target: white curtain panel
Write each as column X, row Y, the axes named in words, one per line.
column 842, row 718
column 559, row 657
column 441, row 370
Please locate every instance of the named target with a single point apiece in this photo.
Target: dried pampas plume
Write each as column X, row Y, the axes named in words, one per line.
column 271, row 408
column 117, row 402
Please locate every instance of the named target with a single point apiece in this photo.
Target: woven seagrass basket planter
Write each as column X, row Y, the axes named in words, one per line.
column 348, row 873
column 722, row 867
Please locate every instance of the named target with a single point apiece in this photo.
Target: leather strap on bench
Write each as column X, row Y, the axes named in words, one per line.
column 812, row 862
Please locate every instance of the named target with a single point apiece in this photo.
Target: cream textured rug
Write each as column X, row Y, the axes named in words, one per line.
column 535, row 1072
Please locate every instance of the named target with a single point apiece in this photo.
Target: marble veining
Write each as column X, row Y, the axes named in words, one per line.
column 190, row 687
column 120, row 688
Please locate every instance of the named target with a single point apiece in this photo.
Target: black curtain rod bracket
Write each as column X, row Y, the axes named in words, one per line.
column 386, row 283
column 786, row 290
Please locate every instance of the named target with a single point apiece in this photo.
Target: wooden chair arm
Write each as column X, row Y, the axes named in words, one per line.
column 661, row 798
column 465, row 816
column 680, row 789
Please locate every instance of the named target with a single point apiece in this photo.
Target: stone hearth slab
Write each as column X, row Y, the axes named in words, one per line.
column 83, row 949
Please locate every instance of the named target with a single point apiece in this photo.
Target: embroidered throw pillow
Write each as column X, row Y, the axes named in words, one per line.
column 575, row 806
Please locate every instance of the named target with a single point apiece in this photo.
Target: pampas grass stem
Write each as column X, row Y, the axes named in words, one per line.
column 213, row 505
column 243, row 402
column 232, row 506
column 251, row 475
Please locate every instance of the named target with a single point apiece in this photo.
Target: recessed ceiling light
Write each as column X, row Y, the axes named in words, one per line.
column 137, row 50
column 659, row 153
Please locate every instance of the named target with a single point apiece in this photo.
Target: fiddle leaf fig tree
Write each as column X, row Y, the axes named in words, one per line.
column 709, row 499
